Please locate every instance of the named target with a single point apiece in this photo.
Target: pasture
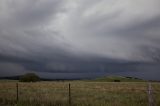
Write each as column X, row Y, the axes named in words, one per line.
column 83, row 93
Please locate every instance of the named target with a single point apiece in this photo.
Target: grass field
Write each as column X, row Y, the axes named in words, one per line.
column 83, row 93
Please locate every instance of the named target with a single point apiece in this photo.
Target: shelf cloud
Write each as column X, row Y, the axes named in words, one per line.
column 79, row 36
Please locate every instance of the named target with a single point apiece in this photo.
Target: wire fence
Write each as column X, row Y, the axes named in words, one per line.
column 79, row 94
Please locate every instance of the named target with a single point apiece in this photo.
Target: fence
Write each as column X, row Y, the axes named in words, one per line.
column 78, row 93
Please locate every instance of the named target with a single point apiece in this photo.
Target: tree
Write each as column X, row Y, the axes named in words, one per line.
column 29, row 77
column 117, row 80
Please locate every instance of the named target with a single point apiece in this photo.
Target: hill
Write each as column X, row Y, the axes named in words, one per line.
column 118, row 79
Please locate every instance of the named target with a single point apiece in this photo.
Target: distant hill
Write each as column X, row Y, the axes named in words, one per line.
column 100, row 79
column 118, row 79
column 10, row 78
column 42, row 79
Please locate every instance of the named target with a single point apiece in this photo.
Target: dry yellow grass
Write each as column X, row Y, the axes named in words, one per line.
column 82, row 93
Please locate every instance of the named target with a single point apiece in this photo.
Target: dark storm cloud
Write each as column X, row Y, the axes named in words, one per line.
column 78, row 36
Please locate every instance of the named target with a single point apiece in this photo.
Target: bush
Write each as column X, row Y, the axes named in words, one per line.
column 117, row 81
column 29, row 77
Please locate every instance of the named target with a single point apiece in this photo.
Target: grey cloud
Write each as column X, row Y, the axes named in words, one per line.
column 22, row 31
column 78, row 35
column 106, row 27
column 30, row 13
column 10, row 69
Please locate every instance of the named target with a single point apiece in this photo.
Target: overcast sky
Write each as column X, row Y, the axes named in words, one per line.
column 65, row 36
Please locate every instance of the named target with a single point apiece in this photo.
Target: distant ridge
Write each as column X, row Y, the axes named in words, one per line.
column 42, row 79
column 118, row 79
column 100, row 79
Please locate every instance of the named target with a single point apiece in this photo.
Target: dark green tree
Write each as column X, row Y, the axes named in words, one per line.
column 29, row 77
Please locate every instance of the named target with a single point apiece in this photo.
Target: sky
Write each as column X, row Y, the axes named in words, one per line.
column 80, row 38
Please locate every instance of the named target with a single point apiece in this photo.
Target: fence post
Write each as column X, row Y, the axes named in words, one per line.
column 17, row 92
column 69, row 94
column 150, row 95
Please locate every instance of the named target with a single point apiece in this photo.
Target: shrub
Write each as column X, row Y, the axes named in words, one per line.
column 117, row 81
column 29, row 77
